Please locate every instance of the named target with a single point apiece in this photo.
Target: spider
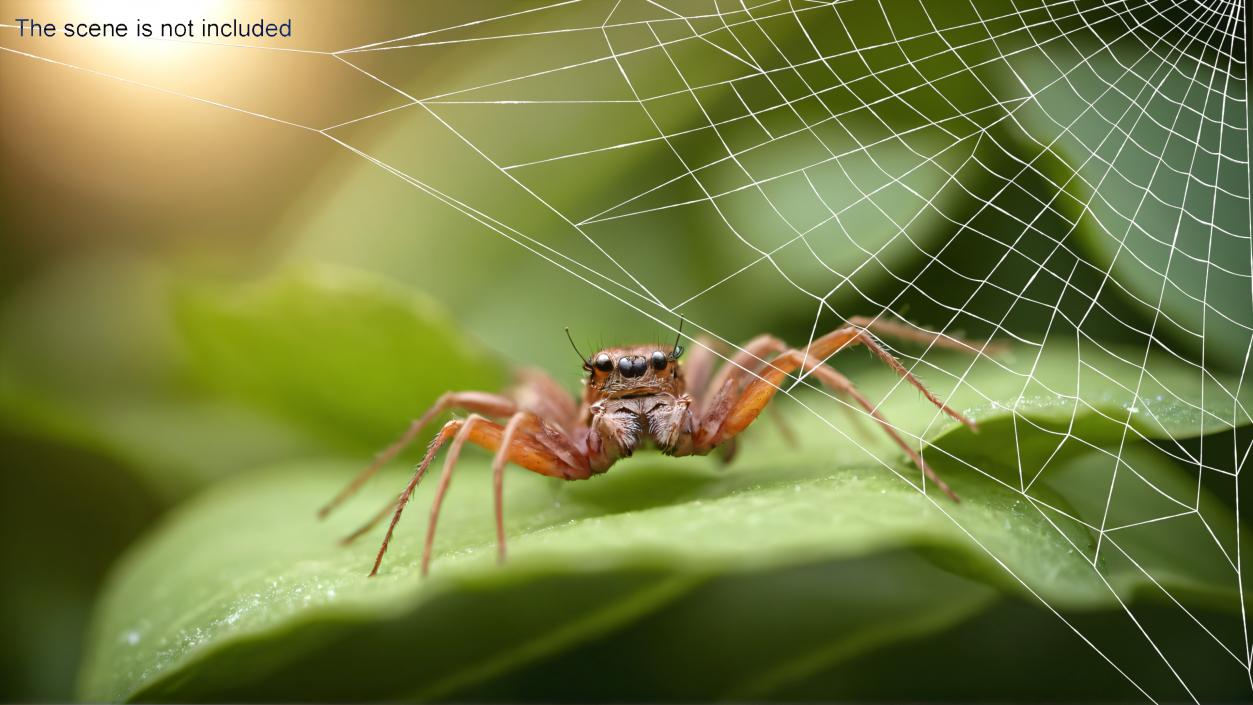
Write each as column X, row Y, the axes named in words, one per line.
column 634, row 397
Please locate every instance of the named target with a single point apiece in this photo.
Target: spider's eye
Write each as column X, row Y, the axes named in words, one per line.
column 659, row 360
column 633, row 366
column 603, row 362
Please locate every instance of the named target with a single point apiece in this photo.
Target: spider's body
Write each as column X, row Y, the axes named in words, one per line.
column 635, row 397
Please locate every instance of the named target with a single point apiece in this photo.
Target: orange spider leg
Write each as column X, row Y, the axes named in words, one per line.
column 380, row 515
column 833, row 379
column 699, row 367
column 526, row 452
column 759, row 393
column 752, row 357
column 498, row 481
column 903, row 331
column 445, row 477
column 749, row 361
column 762, row 389
column 481, row 402
column 837, row 340
column 528, row 423
column 737, row 412
column 541, row 395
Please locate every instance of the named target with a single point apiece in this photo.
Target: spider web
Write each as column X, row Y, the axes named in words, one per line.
column 1065, row 164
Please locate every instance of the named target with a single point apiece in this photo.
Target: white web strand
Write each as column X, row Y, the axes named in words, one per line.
column 1195, row 31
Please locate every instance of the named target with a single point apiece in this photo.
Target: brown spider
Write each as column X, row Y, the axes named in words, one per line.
column 635, row 397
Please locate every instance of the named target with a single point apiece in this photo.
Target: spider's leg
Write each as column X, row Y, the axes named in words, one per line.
column 507, row 448
column 821, row 349
column 747, row 363
column 720, row 390
column 699, row 367
column 738, row 414
column 711, row 417
column 498, row 477
column 540, row 394
column 449, row 430
column 841, row 338
column 703, row 384
column 525, row 424
column 445, row 477
column 530, row 452
column 380, row 515
column 899, row 330
column 539, row 397
column 481, row 402
column 833, row 379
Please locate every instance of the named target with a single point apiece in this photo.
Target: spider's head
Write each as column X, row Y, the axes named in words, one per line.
column 634, row 371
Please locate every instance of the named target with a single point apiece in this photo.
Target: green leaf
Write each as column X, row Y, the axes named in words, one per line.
column 1104, row 394
column 249, row 563
column 315, row 357
column 349, row 356
column 244, row 594
column 89, row 358
column 787, row 624
column 88, row 511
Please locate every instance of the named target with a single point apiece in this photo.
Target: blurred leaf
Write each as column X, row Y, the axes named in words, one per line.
column 787, row 625
column 65, row 515
column 1155, row 173
column 1045, row 660
column 89, row 358
column 350, row 356
column 244, row 593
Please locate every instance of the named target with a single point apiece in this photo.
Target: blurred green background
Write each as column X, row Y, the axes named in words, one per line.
column 189, row 293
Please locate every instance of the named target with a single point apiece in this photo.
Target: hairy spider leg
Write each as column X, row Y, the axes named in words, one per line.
column 749, row 361
column 831, row 377
column 527, row 452
column 557, row 441
column 445, row 478
column 536, row 391
column 886, row 328
column 480, row 402
column 764, row 387
column 732, row 412
column 699, row 368
column 498, row 477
